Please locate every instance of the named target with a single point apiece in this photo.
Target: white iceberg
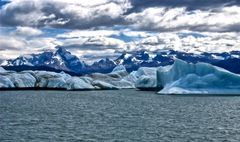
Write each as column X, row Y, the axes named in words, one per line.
column 119, row 68
column 87, row 79
column 145, row 78
column 2, row 69
column 146, row 83
column 78, row 83
column 113, row 80
column 200, row 78
column 51, row 79
column 5, row 82
column 98, row 84
column 22, row 80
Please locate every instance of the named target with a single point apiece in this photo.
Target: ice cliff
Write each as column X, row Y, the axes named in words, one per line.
column 199, row 78
column 179, row 78
column 51, row 80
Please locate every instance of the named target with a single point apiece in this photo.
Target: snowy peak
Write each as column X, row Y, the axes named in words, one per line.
column 72, row 62
column 142, row 55
column 22, row 60
column 64, row 54
column 135, row 57
column 60, row 60
column 63, row 60
column 102, row 66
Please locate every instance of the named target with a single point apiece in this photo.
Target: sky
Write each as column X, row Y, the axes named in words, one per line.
column 106, row 28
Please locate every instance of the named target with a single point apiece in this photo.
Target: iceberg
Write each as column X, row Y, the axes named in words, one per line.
column 145, row 78
column 179, row 78
column 2, row 69
column 22, row 80
column 78, row 83
column 113, row 80
column 5, row 82
column 199, row 78
column 98, row 84
column 51, row 79
column 146, row 83
column 119, row 68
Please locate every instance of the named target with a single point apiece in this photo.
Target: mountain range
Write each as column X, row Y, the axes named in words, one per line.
column 63, row 60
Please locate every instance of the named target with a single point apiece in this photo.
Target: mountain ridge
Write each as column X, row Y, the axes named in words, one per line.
column 63, row 60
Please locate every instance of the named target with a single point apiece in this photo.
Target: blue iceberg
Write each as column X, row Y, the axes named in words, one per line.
column 199, row 78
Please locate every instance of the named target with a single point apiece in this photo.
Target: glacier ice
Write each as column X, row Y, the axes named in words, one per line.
column 5, row 82
column 181, row 77
column 199, row 78
column 145, row 78
column 51, row 79
column 103, row 85
column 56, row 83
column 119, row 68
column 2, row 69
column 22, row 80
column 78, row 83
column 147, row 71
column 113, row 80
column 146, row 83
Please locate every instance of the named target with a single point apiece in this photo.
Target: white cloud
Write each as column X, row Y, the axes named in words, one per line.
column 175, row 19
column 65, row 14
column 27, row 31
column 210, row 42
column 88, row 33
column 10, row 43
column 93, row 45
column 105, row 33
column 12, row 46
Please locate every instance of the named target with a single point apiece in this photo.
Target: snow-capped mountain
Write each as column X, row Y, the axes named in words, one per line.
column 63, row 60
column 59, row 60
column 229, row 61
column 103, row 66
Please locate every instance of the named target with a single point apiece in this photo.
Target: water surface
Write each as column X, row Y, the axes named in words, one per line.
column 118, row 115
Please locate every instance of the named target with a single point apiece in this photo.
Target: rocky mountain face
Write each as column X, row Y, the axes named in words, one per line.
column 63, row 60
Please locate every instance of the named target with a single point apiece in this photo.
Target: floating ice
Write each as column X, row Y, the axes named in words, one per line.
column 200, row 78
column 77, row 83
column 2, row 69
column 22, row 80
column 146, row 78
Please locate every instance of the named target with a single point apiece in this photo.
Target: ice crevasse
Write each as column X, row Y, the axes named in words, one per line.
column 199, row 78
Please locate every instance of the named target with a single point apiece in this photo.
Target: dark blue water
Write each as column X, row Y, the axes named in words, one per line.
column 124, row 115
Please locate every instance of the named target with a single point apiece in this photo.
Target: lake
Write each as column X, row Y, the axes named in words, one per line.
column 117, row 115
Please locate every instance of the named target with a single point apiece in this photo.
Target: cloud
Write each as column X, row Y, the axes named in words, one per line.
column 139, row 5
column 63, row 14
column 88, row 33
column 153, row 15
column 10, row 43
column 92, row 48
column 105, row 28
column 27, row 31
column 96, row 44
column 105, row 33
column 13, row 46
column 177, row 19
column 208, row 42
